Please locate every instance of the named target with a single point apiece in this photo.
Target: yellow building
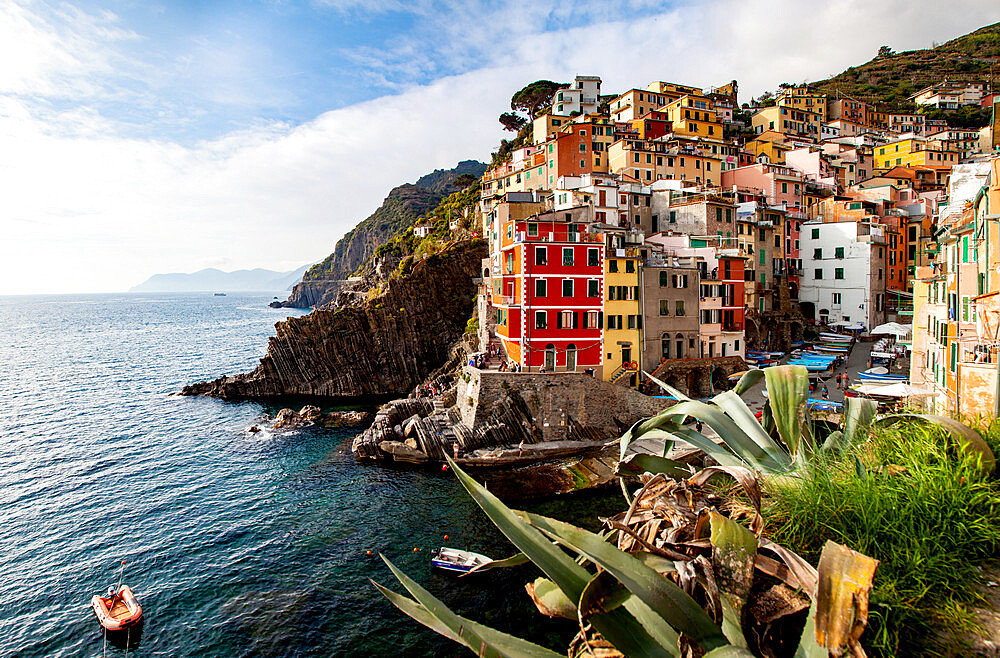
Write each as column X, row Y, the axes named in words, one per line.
column 622, row 317
column 648, row 161
column 692, row 116
column 635, row 103
column 546, row 126
column 803, row 100
column 912, row 151
column 767, row 145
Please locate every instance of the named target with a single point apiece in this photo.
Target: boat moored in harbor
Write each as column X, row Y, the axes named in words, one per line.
column 457, row 561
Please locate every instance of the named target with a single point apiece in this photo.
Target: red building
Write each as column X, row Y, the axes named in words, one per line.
column 549, row 291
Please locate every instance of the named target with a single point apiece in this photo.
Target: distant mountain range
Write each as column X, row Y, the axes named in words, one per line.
column 213, row 280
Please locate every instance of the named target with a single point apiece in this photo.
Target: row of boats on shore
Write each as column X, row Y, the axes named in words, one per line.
column 824, row 355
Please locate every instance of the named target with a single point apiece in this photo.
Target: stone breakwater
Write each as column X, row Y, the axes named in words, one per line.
column 385, row 345
column 552, row 414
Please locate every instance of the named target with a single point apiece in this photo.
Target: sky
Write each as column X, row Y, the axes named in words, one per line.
column 141, row 137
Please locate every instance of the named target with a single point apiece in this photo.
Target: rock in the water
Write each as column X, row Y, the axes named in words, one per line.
column 288, row 419
column 402, row 452
column 336, row 418
column 310, row 412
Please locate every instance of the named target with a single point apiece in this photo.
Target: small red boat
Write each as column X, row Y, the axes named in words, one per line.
column 117, row 611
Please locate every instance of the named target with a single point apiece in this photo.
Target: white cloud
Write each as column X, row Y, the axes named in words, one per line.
column 84, row 209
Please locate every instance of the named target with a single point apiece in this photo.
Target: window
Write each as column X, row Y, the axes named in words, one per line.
column 567, row 254
column 679, row 308
column 838, row 252
column 838, row 273
column 664, row 307
column 567, row 288
column 593, row 258
column 680, row 281
column 818, row 273
column 540, row 287
column 540, row 255
column 629, row 266
column 533, row 229
column 593, row 288
column 612, row 265
column 664, row 279
column 836, row 299
column 540, row 319
column 815, row 234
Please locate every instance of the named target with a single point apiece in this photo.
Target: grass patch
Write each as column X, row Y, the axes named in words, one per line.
column 924, row 511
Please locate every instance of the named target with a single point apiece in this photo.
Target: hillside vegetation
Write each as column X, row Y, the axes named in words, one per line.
column 398, row 212
column 891, row 78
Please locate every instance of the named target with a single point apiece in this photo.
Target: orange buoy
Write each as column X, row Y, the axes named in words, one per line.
column 446, row 536
column 444, row 467
column 369, row 552
column 415, row 549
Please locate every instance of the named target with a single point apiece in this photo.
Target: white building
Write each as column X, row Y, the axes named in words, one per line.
column 843, row 271
column 584, row 95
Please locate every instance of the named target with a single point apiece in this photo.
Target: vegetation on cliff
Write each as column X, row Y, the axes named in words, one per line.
column 400, row 209
column 458, row 206
column 890, row 78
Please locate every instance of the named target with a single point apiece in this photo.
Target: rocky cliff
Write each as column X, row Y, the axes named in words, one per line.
column 385, row 345
column 400, row 209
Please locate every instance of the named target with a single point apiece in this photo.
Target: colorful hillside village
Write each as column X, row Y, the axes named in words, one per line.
column 669, row 230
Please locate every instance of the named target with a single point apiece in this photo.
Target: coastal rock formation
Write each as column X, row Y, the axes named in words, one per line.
column 545, row 415
column 383, row 346
column 289, row 419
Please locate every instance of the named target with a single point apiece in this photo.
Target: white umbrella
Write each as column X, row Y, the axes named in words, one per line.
column 892, row 329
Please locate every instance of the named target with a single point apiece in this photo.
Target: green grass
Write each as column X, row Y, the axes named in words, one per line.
column 930, row 526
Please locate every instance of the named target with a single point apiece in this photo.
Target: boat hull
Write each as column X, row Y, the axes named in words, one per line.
column 118, row 612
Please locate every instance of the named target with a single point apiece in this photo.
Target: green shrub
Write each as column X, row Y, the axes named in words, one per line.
column 906, row 498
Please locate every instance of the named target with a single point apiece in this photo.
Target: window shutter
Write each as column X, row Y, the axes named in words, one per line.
column 576, row 320
column 558, row 320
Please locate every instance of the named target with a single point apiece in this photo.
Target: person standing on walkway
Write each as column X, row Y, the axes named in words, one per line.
column 826, row 393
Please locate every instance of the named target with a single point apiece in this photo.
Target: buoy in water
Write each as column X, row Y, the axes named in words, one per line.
column 444, row 467
column 369, row 553
column 446, row 536
column 415, row 549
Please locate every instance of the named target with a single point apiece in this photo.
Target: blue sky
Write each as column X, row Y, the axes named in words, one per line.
column 138, row 138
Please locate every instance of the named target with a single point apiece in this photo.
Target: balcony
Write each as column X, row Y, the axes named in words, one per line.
column 732, row 326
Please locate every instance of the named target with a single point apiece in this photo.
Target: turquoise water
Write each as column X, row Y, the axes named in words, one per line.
column 237, row 544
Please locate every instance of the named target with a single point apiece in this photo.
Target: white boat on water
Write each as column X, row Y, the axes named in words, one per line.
column 457, row 561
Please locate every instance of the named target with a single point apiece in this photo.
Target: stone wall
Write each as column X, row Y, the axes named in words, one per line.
column 699, row 378
column 563, row 404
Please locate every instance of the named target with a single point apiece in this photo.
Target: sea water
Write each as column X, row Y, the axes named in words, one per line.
column 236, row 543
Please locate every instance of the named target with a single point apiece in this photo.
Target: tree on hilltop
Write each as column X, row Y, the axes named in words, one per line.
column 885, row 51
column 533, row 97
column 512, row 122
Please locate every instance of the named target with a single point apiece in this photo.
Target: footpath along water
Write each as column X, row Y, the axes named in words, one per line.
column 237, row 544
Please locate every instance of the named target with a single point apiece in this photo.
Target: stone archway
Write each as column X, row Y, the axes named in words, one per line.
column 720, row 380
column 698, row 383
column 808, row 310
column 795, row 329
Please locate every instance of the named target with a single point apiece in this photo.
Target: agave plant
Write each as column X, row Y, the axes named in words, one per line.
column 779, row 444
column 782, row 442
column 642, row 601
